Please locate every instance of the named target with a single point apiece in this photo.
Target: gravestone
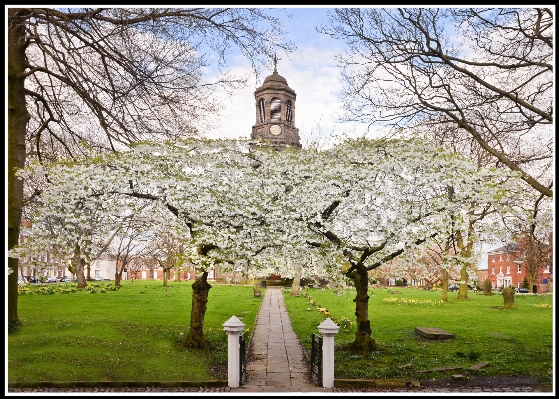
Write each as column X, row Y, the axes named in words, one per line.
column 487, row 287
column 508, row 297
column 433, row 333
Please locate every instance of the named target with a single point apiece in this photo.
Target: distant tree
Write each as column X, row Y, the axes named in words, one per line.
column 438, row 261
column 100, row 78
column 136, row 266
column 537, row 254
column 128, row 245
column 479, row 75
column 169, row 252
column 78, row 230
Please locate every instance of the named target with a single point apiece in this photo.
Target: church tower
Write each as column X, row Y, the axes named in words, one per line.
column 275, row 112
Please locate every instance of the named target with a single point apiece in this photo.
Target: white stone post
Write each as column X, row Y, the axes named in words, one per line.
column 328, row 329
column 234, row 328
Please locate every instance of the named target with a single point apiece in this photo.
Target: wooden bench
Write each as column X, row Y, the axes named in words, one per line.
column 256, row 292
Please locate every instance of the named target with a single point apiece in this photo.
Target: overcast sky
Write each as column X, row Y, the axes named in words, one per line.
column 311, row 70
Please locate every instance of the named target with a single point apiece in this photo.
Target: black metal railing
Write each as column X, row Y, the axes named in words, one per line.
column 316, row 359
column 242, row 358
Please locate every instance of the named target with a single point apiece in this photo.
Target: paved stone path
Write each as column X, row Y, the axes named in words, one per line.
column 278, row 364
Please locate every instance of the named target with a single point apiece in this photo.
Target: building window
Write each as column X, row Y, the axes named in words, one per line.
column 519, row 269
column 493, row 259
column 261, row 109
column 508, row 269
column 500, row 257
column 508, row 257
column 288, row 112
column 493, row 270
column 275, row 110
column 500, row 269
column 546, row 269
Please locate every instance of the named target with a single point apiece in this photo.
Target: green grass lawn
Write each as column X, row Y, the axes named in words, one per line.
column 129, row 334
column 514, row 342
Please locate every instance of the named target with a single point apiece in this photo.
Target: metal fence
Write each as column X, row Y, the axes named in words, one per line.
column 316, row 359
column 242, row 358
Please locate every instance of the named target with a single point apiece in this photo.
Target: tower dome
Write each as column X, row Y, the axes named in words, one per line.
column 275, row 77
column 275, row 112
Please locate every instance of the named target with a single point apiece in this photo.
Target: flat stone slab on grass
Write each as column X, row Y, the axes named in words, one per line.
column 433, row 333
column 477, row 366
column 441, row 369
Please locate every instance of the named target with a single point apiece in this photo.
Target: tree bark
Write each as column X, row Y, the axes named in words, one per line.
column 17, row 128
column 463, row 291
column 363, row 342
column 445, row 285
column 79, row 266
column 296, row 285
column 177, row 274
column 200, row 289
column 465, row 251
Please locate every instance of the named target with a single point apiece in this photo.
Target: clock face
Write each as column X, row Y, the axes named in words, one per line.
column 275, row 130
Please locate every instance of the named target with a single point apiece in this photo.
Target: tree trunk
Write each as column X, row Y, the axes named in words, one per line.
column 463, row 291
column 296, row 285
column 445, row 285
column 17, row 130
column 363, row 342
column 200, row 290
column 532, row 282
column 466, row 252
column 166, row 275
column 79, row 264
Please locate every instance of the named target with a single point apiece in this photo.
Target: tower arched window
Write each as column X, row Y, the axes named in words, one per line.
column 275, row 110
column 288, row 112
column 261, row 110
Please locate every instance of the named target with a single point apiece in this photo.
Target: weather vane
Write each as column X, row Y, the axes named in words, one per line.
column 275, row 62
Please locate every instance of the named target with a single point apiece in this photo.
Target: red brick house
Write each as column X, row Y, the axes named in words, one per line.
column 506, row 267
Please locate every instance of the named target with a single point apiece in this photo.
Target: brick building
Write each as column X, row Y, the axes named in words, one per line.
column 506, row 267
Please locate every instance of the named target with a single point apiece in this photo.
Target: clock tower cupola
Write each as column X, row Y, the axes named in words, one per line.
column 275, row 112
